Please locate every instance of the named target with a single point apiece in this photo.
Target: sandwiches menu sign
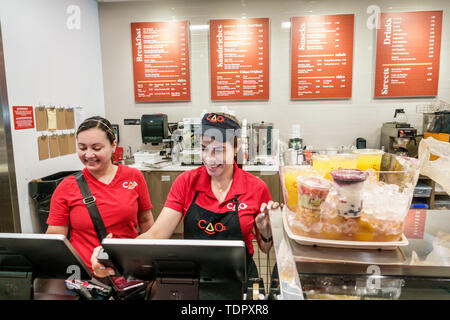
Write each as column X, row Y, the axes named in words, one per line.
column 239, row 57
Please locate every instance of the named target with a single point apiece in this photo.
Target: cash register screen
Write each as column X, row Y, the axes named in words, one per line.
column 45, row 255
column 210, row 260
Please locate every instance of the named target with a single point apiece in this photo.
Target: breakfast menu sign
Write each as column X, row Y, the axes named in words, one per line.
column 239, row 57
column 161, row 61
column 408, row 51
column 322, row 56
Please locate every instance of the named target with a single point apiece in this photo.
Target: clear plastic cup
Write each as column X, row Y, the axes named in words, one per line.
column 312, row 191
column 369, row 159
column 321, row 163
column 349, row 186
column 344, row 161
column 290, row 174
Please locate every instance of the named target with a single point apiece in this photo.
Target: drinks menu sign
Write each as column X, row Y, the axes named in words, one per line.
column 408, row 50
column 161, row 61
column 239, row 57
column 322, row 56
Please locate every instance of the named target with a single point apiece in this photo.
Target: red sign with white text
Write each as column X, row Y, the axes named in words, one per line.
column 322, row 57
column 161, row 61
column 408, row 51
column 239, row 57
column 23, row 118
column 415, row 224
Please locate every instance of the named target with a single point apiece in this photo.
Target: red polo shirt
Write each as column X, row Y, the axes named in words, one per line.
column 251, row 192
column 118, row 202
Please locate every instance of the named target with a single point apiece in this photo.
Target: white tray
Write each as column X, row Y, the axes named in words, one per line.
column 341, row 243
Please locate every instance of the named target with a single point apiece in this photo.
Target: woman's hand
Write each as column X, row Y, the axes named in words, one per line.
column 100, row 270
column 262, row 220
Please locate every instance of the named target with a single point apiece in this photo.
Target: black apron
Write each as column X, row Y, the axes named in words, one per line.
column 203, row 224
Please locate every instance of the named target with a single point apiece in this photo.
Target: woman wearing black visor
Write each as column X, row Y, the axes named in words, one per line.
column 218, row 200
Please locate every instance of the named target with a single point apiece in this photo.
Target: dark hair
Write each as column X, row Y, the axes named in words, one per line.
column 98, row 122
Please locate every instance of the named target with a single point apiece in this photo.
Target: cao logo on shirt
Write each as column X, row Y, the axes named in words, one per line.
column 129, row 185
column 232, row 206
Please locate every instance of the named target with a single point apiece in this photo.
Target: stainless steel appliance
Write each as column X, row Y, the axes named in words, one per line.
column 396, row 137
column 190, row 144
column 261, row 146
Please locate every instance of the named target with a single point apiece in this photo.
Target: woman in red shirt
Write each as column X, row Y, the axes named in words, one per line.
column 121, row 193
column 217, row 200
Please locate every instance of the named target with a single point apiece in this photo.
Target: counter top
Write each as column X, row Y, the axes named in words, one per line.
column 420, row 264
column 250, row 168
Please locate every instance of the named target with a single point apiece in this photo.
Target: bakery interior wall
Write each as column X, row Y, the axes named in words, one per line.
column 48, row 63
column 324, row 122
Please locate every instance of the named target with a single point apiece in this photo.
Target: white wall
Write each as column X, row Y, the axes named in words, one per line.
column 49, row 64
column 324, row 123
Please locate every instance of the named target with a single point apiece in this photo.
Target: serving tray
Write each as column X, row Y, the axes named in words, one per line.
column 371, row 245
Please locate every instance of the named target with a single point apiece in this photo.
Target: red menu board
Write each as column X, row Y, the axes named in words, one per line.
column 23, row 118
column 408, row 50
column 161, row 61
column 239, row 56
column 322, row 56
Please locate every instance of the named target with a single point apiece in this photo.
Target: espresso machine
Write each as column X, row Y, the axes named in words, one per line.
column 397, row 135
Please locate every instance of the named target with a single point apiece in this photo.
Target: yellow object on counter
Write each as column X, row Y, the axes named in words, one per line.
column 322, row 164
column 290, row 180
column 343, row 161
column 369, row 159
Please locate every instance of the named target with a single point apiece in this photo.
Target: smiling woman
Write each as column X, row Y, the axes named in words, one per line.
column 96, row 145
column 217, row 201
column 120, row 192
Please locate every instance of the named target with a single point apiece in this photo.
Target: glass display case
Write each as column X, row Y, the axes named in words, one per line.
column 419, row 270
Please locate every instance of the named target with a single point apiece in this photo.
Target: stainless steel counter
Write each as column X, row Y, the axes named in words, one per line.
column 421, row 265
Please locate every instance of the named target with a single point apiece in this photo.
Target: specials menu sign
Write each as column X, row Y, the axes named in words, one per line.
column 322, row 56
column 408, row 51
column 161, row 61
column 239, row 57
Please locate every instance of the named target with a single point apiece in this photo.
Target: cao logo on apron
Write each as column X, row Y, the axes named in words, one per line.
column 210, row 228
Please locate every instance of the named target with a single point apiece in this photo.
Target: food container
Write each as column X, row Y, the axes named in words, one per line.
column 384, row 198
column 322, row 165
column 312, row 192
column 422, row 190
column 369, row 159
column 344, row 161
column 349, row 184
column 442, row 204
column 290, row 189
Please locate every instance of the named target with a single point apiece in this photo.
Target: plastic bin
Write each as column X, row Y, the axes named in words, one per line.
column 442, row 204
column 41, row 191
column 422, row 190
column 350, row 204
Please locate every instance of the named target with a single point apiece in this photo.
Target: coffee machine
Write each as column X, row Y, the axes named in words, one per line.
column 397, row 135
